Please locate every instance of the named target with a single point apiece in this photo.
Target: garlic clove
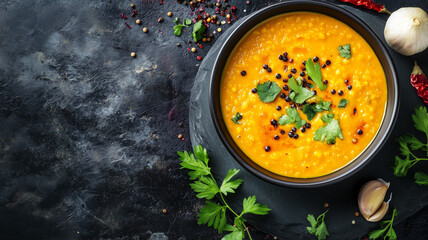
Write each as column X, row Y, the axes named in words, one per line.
column 406, row 30
column 380, row 213
column 371, row 197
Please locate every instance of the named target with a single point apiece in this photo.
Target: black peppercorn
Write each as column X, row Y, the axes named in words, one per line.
column 287, row 99
column 269, row 70
column 254, row 90
column 276, row 137
column 265, row 66
column 307, row 125
column 296, row 136
column 302, row 74
column 274, row 122
column 282, row 95
column 316, row 59
column 291, row 134
column 314, row 92
column 278, row 76
column 285, row 87
column 359, row 131
column 294, row 129
column 285, row 80
column 293, row 70
column 323, row 66
column 349, row 87
column 340, row 92
column 333, row 91
column 282, row 132
column 346, row 81
column 292, row 105
column 278, row 108
column 303, row 129
column 280, row 57
column 325, row 81
column 243, row 73
column 328, row 62
column 290, row 76
column 285, row 59
column 267, row 148
column 304, row 63
column 291, row 60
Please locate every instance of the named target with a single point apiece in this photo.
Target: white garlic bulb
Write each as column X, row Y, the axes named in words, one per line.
column 406, row 30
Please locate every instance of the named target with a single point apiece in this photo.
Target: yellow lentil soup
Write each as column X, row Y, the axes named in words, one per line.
column 271, row 76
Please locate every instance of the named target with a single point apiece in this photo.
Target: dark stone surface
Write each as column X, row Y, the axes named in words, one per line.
column 88, row 135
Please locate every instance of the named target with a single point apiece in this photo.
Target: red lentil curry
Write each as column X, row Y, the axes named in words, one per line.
column 303, row 94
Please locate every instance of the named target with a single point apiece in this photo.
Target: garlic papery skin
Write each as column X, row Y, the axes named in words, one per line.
column 406, row 30
column 371, row 196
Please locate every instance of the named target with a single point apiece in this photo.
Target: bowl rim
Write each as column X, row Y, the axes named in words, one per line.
column 223, row 135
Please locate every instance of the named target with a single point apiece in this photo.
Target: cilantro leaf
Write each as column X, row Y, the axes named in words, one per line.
column 178, row 27
column 268, row 91
column 250, row 206
column 300, row 93
column 342, row 103
column 311, row 110
column 293, row 116
column 198, row 30
column 329, row 132
column 345, row 51
column 187, row 22
column 314, row 71
column 205, row 187
column 421, row 178
column 402, row 166
column 214, row 215
column 386, row 229
column 421, row 119
column 198, row 168
column 237, row 117
column 228, row 186
column 415, row 144
column 318, row 227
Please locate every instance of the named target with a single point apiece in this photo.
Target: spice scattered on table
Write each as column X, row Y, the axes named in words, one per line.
column 133, row 54
column 145, row 30
column 368, row 4
column 420, row 82
column 138, row 21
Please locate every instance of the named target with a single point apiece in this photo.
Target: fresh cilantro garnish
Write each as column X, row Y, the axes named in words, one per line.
column 292, row 117
column 314, row 71
column 206, row 186
column 268, row 91
column 318, row 227
column 421, row 178
column 300, row 93
column 237, row 117
column 386, row 229
column 198, row 30
column 329, row 132
column 177, row 28
column 345, row 51
column 311, row 110
column 409, row 143
column 342, row 103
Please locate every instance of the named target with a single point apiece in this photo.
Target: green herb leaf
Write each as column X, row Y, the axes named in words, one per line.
column 415, row 144
column 177, row 30
column 318, row 227
column 205, row 187
column 311, row 110
column 402, row 166
column 228, row 186
column 329, row 132
column 293, row 116
column 268, row 91
column 421, row 178
column 314, row 71
column 199, row 168
column 250, row 206
column 421, row 119
column 236, row 234
column 300, row 93
column 176, row 20
column 187, row 22
column 198, row 30
column 342, row 103
column 237, row 117
column 214, row 215
column 345, row 51
column 386, row 229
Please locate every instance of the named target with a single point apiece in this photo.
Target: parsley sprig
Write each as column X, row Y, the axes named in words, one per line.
column 318, row 227
column 213, row 214
column 198, row 30
column 386, row 229
column 409, row 143
column 177, row 28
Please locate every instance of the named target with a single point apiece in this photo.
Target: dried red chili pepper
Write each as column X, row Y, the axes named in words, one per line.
column 369, row 4
column 127, row 25
column 420, row 82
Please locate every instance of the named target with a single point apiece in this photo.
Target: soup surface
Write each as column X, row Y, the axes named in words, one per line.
column 333, row 125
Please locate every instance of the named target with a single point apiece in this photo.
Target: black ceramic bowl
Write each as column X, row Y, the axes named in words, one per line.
column 335, row 12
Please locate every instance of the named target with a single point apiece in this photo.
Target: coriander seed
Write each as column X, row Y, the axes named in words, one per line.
column 180, row 136
column 218, row 29
column 169, row 14
column 138, row 21
column 133, row 54
column 132, row 5
column 193, row 49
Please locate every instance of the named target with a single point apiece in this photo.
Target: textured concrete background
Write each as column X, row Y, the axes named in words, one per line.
column 88, row 135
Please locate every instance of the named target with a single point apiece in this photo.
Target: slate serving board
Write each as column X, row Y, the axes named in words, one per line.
column 291, row 206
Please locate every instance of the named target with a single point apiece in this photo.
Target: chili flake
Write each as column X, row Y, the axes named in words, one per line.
column 420, row 82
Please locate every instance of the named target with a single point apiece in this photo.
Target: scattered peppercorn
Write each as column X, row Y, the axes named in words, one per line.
column 169, row 14
column 282, row 95
column 357, row 214
column 296, row 136
column 340, row 92
column 285, row 54
column 278, row 76
column 282, row 132
column 274, row 122
column 291, row 134
column 354, row 140
column 276, row 137
column 333, row 91
column 293, row 105
column 293, row 70
column 164, row 211
column 193, row 49
column 267, row 148
column 178, row 44
column 302, row 74
column 346, row 81
column 243, row 73
column 325, row 81
column 265, row 66
column 204, row 39
column 328, row 62
column 355, row 110
column 316, row 59
column 359, row 132
column 285, row 59
column 199, row 58
column 280, row 57
column 278, row 108
column 290, row 76
column 133, row 54
column 285, row 80
column 303, row 129
column 285, row 87
column 145, row 29
column 291, row 60
column 269, row 70
column 132, row 5
column 349, row 87
column 180, row 124
column 304, row 63
column 307, row 125
column 180, row 136
column 287, row 99
column 218, row 29
column 326, row 204
column 160, row 19
column 293, row 129
column 314, row 92
column 254, row 90
column 138, row 21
